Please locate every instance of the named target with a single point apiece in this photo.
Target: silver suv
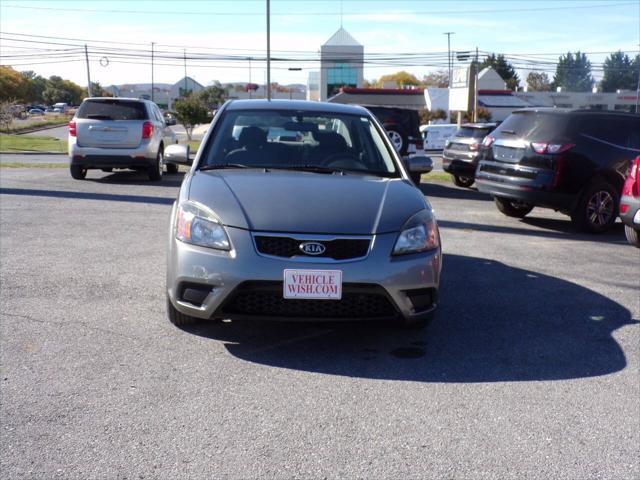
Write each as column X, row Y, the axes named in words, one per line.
column 108, row 133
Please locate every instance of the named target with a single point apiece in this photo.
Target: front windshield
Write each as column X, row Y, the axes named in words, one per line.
column 299, row 140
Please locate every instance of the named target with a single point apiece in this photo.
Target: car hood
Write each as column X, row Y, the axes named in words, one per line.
column 305, row 202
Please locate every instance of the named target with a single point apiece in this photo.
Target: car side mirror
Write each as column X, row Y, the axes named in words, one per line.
column 169, row 121
column 419, row 164
column 177, row 154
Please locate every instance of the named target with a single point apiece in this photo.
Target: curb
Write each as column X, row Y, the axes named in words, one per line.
column 39, row 129
column 33, row 153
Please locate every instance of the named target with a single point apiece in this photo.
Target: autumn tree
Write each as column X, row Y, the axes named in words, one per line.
column 191, row 111
column 438, row 79
column 401, row 79
column 13, row 86
column 538, row 82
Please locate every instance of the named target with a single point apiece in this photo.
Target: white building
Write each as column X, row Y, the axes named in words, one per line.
column 341, row 64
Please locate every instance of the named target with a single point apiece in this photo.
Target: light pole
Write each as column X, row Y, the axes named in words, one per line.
column 268, row 50
column 448, row 34
column 152, row 86
column 86, row 56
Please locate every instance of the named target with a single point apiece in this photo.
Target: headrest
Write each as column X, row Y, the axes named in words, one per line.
column 252, row 137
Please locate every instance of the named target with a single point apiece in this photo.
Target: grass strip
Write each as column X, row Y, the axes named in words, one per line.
column 32, row 165
column 30, row 143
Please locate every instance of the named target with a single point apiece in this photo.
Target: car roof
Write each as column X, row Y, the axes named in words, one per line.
column 128, row 99
column 565, row 111
column 479, row 125
column 302, row 105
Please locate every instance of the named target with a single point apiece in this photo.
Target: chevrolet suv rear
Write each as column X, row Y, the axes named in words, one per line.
column 109, row 133
column 461, row 152
column 573, row 161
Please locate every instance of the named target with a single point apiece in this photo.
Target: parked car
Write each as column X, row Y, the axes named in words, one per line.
column 461, row 151
column 630, row 204
column 60, row 107
column 108, row 133
column 573, row 161
column 326, row 227
column 435, row 136
column 36, row 111
column 403, row 128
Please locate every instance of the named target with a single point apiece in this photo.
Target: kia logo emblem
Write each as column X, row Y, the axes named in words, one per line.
column 312, row 248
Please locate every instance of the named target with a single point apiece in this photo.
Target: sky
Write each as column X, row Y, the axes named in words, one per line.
column 226, row 40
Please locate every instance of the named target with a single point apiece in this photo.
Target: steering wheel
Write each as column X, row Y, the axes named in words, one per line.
column 345, row 160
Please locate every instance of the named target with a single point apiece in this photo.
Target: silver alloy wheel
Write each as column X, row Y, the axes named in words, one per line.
column 160, row 162
column 600, row 208
column 396, row 139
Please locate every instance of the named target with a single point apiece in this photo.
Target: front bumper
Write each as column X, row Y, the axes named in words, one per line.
column 457, row 165
column 405, row 281
column 631, row 216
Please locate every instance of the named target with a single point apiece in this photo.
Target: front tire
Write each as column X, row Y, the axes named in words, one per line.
column 513, row 208
column 463, row 180
column 177, row 318
column 155, row 170
column 78, row 172
column 633, row 236
column 398, row 140
column 597, row 208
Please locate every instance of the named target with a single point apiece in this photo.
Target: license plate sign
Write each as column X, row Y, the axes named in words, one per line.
column 313, row 284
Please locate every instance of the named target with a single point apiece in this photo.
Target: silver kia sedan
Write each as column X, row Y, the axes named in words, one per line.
column 300, row 211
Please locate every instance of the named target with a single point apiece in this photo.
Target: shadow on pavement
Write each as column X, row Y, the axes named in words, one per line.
column 495, row 323
column 546, row 228
column 449, row 191
column 111, row 197
column 130, row 177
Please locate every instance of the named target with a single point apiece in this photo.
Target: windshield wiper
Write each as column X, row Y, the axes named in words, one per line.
column 511, row 132
column 223, row 166
column 312, row 168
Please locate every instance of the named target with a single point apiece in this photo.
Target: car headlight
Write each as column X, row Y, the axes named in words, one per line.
column 197, row 225
column 419, row 234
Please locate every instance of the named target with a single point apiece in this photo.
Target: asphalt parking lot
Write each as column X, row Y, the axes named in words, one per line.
column 530, row 369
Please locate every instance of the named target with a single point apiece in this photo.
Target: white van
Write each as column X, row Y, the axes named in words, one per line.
column 61, row 107
column 435, row 136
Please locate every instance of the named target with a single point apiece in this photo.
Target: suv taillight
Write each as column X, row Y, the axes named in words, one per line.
column 551, row 148
column 419, row 144
column 488, row 141
column 147, row 130
column 632, row 184
column 72, row 129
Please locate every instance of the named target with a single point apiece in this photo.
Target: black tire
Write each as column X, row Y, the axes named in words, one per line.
column 172, row 168
column 398, row 139
column 597, row 208
column 633, row 236
column 155, row 170
column 78, row 172
column 513, row 208
column 463, row 180
column 177, row 318
column 415, row 178
column 107, row 170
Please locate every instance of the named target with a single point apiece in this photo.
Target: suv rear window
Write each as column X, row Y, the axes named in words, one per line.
column 112, row 110
column 468, row 132
column 534, row 126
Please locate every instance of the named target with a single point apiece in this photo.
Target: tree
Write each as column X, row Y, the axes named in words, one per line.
column 96, row 91
column 538, row 82
column 59, row 90
column 214, row 95
column 35, row 85
column 13, row 86
column 483, row 115
column 620, row 72
column 7, row 109
column 401, row 79
column 573, row 73
column 191, row 111
column 438, row 79
column 502, row 68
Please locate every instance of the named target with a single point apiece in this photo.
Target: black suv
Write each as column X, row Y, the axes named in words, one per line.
column 402, row 126
column 461, row 152
column 573, row 161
